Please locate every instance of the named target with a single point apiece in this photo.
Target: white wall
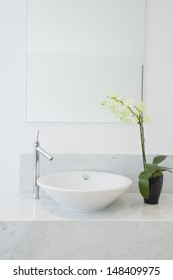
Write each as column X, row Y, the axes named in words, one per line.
column 17, row 136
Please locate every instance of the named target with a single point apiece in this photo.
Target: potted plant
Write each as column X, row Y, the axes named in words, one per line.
column 151, row 178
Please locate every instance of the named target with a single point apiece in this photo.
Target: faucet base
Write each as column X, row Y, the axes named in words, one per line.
column 36, row 193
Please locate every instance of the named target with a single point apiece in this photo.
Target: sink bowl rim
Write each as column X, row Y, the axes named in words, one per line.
column 87, row 172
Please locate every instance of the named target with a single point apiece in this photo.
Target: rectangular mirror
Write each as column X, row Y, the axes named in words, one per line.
column 78, row 52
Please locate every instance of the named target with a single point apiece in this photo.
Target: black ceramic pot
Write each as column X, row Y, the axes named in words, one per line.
column 155, row 186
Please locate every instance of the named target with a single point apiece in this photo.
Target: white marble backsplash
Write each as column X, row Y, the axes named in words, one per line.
column 128, row 165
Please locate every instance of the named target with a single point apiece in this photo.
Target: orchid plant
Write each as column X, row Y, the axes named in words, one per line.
column 127, row 112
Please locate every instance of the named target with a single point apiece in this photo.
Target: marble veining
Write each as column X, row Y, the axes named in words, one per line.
column 86, row 240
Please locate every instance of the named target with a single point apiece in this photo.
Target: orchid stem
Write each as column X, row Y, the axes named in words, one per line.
column 142, row 142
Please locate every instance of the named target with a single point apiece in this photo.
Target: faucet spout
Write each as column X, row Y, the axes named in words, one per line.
column 44, row 153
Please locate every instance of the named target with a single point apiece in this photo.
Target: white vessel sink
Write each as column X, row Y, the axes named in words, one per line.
column 84, row 191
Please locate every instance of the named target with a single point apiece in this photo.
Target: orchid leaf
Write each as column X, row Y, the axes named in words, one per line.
column 159, row 159
column 144, row 184
column 151, row 168
column 163, row 168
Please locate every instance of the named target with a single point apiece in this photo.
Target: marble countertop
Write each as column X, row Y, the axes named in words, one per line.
column 128, row 207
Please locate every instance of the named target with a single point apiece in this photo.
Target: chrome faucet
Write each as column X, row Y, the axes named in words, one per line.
column 37, row 151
